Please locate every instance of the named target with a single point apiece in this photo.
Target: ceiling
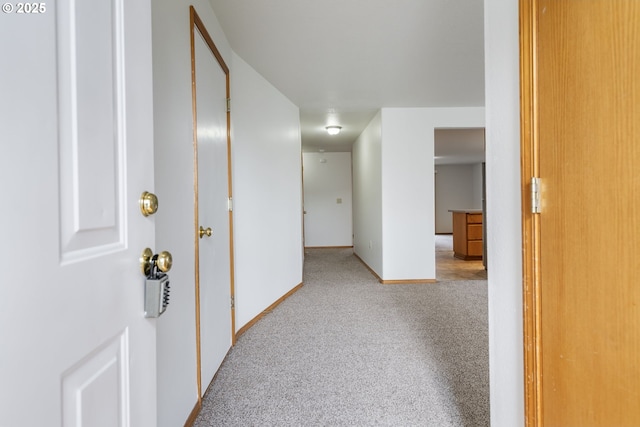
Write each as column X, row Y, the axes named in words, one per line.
column 340, row 61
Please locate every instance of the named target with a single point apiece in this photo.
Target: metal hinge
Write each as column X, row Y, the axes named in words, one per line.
column 228, row 105
column 230, row 204
column 535, row 195
column 233, row 302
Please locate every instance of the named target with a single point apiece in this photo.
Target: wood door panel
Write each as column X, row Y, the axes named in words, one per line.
column 589, row 122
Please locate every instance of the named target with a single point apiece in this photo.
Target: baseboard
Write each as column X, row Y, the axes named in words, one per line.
column 267, row 311
column 194, row 414
column 328, row 247
column 395, row 282
column 408, row 282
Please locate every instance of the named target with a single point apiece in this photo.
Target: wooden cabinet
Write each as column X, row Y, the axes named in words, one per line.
column 467, row 234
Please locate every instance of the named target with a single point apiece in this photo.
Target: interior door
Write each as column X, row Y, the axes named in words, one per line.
column 215, row 279
column 76, row 132
column 583, row 255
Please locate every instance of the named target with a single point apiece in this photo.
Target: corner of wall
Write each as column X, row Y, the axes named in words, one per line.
column 367, row 194
column 503, row 213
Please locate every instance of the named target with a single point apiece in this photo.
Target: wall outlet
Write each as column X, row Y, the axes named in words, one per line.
column 338, row 200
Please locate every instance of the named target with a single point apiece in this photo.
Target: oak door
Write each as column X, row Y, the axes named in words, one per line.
column 586, row 150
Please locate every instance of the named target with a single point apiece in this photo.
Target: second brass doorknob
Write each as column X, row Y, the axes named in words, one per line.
column 208, row 232
column 163, row 261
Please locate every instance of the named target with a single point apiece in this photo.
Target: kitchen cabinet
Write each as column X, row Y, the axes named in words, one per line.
column 467, row 234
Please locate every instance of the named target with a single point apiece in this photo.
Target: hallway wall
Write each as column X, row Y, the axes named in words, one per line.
column 267, row 199
column 367, row 195
column 327, row 199
column 393, row 189
column 408, row 206
column 456, row 187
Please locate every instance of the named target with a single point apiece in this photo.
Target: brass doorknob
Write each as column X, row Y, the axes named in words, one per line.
column 148, row 203
column 163, row 261
column 206, row 231
column 145, row 261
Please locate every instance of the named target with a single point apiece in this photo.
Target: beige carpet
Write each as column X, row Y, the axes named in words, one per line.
column 347, row 351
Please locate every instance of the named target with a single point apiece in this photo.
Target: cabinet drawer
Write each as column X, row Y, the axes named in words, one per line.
column 474, row 248
column 474, row 218
column 474, row 232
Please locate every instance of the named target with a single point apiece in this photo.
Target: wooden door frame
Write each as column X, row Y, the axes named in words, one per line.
column 196, row 23
column 529, row 166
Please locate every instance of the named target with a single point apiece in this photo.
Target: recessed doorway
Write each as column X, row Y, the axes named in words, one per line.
column 459, row 186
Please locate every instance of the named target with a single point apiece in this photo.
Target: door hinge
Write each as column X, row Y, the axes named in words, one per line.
column 535, row 195
column 228, row 105
column 233, row 302
column 230, row 204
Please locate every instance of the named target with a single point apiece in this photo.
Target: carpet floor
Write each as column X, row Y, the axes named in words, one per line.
column 346, row 350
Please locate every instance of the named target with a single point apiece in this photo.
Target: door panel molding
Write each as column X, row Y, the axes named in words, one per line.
column 91, row 129
column 104, row 372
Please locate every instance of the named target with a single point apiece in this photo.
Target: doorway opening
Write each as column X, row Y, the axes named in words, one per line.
column 459, row 182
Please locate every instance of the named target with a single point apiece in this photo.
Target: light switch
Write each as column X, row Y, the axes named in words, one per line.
column 338, row 200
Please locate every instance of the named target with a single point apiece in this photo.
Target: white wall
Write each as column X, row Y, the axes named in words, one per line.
column 367, row 195
column 267, row 192
column 455, row 188
column 267, row 195
column 327, row 199
column 503, row 213
column 176, row 342
column 477, row 185
column 408, row 201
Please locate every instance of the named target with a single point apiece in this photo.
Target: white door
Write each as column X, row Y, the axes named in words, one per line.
column 76, row 135
column 213, row 210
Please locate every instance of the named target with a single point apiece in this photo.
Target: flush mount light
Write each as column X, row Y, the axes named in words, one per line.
column 333, row 130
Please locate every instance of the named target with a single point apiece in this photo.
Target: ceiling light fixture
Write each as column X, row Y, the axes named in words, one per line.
column 333, row 130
